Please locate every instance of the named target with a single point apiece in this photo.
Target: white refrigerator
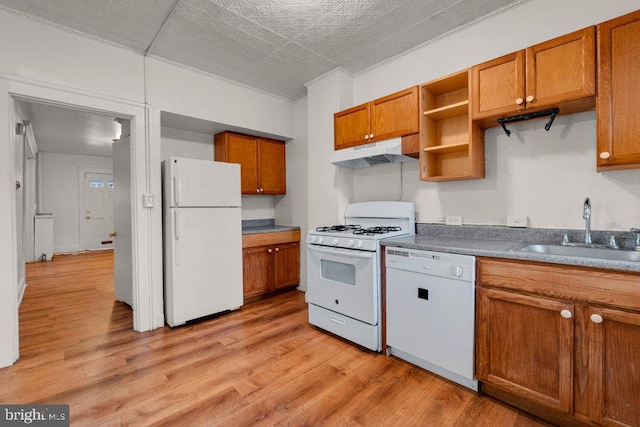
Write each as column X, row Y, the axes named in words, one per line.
column 202, row 238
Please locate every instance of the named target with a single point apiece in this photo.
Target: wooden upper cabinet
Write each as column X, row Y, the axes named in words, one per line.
column 557, row 73
column 262, row 161
column 272, row 167
column 395, row 115
column 498, row 86
column 388, row 117
column 617, row 111
column 351, row 127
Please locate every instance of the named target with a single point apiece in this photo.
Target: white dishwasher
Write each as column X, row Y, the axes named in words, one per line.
column 431, row 312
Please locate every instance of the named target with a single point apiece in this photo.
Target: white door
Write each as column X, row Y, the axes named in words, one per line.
column 98, row 210
column 19, row 194
column 122, row 265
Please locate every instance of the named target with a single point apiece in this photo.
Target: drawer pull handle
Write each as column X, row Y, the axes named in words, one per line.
column 338, row 321
column 566, row 314
column 596, row 318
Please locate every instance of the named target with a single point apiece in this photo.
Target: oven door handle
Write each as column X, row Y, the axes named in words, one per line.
column 347, row 253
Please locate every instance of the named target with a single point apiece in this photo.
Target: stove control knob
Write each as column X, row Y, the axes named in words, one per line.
column 320, row 239
column 458, row 271
column 335, row 242
column 312, row 239
column 351, row 243
column 360, row 244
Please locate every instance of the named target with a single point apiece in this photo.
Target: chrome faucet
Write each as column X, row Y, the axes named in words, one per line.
column 586, row 214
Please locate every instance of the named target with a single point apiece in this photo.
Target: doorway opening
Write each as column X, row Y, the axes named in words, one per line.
column 78, row 169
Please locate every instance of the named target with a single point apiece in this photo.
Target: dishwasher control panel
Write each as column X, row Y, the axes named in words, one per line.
column 440, row 264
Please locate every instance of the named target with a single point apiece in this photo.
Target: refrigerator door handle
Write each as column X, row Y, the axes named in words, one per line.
column 176, row 191
column 176, row 237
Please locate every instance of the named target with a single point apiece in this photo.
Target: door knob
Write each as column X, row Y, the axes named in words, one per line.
column 566, row 314
column 519, row 101
column 113, row 234
column 596, row 318
column 277, row 249
column 530, row 98
column 605, row 155
column 88, row 217
column 269, row 250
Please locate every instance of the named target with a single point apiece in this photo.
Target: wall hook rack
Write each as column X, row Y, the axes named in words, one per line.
column 553, row 112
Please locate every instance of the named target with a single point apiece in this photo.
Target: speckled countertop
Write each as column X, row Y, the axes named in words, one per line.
column 505, row 244
column 257, row 226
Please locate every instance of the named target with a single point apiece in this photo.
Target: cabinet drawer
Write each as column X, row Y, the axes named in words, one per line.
column 275, row 238
column 595, row 286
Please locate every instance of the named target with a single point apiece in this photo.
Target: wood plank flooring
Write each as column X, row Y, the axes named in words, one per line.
column 261, row 365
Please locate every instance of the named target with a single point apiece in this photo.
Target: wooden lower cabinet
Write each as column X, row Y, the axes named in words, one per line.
column 561, row 342
column 527, row 347
column 270, row 267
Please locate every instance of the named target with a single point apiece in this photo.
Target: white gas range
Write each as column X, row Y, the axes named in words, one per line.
column 344, row 269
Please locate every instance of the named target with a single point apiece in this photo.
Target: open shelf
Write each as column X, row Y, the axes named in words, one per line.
column 448, row 111
column 451, row 146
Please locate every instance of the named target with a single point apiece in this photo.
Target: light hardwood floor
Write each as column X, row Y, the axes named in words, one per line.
column 261, row 365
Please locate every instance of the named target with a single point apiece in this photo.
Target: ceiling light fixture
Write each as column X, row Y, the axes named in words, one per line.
column 118, row 129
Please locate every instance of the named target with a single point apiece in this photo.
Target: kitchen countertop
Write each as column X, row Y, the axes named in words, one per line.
column 500, row 249
column 268, row 229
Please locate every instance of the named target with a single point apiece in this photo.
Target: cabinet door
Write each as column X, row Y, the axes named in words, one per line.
column 525, row 347
column 614, row 366
column 617, row 108
column 498, row 86
column 286, row 265
column 395, row 115
column 257, row 270
column 351, row 127
column 272, row 167
column 561, row 70
column 242, row 149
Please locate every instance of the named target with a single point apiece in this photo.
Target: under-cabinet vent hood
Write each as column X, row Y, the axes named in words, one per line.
column 376, row 153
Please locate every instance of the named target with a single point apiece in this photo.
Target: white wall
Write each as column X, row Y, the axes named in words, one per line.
column 291, row 209
column 328, row 188
column 183, row 143
column 194, row 94
column 193, row 145
column 59, row 194
column 40, row 52
column 543, row 175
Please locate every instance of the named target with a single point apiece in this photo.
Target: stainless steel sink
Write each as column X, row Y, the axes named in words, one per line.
column 584, row 251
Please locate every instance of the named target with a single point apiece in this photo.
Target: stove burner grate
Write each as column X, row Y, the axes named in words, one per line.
column 376, row 230
column 338, row 228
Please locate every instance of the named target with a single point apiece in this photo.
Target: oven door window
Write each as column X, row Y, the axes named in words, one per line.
column 338, row 272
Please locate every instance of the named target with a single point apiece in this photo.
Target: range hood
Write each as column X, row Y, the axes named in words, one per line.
column 376, row 153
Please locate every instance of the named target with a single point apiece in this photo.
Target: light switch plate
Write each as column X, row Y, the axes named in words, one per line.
column 518, row 221
column 147, row 200
column 453, row 220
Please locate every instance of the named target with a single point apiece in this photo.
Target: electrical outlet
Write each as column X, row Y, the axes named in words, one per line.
column 453, row 220
column 518, row 221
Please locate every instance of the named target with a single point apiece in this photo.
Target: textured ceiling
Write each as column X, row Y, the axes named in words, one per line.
column 272, row 45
